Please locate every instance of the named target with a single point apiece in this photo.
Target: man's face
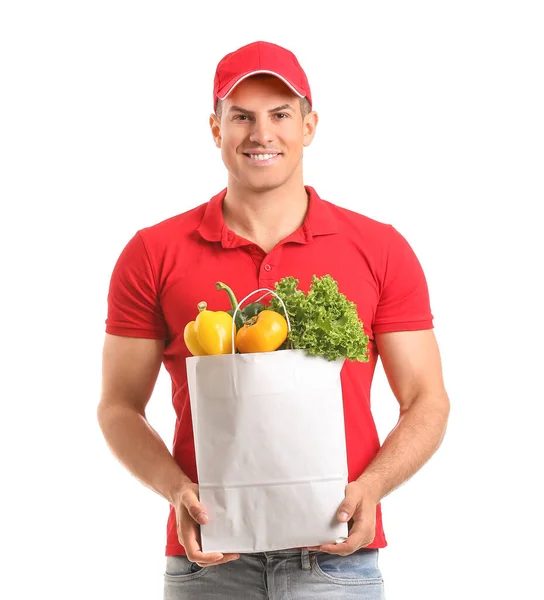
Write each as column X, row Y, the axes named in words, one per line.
column 262, row 134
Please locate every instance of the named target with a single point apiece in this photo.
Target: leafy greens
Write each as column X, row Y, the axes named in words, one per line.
column 323, row 322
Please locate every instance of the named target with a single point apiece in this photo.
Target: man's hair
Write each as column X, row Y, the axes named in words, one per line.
column 305, row 107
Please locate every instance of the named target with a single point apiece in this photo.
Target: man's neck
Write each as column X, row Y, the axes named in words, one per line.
column 265, row 218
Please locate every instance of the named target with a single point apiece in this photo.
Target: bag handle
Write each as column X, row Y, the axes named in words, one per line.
column 263, row 296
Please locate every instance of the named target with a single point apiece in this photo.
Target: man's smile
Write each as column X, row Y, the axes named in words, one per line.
column 263, row 159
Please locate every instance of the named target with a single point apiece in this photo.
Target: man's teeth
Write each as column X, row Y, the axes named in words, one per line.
column 262, row 156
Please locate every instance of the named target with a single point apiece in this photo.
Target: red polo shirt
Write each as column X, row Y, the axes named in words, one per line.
column 167, row 269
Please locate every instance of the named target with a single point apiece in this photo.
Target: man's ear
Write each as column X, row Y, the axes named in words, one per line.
column 310, row 125
column 215, row 126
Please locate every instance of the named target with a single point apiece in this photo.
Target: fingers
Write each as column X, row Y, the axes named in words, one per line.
column 191, row 543
column 190, row 514
column 350, row 503
column 226, row 558
column 362, row 533
column 343, row 549
column 190, row 501
column 359, row 508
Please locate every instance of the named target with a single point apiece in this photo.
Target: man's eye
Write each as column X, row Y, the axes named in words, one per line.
column 240, row 117
column 282, row 115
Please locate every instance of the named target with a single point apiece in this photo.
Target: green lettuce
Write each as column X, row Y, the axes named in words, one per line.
column 323, row 322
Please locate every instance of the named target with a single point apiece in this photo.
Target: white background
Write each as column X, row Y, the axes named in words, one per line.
column 431, row 119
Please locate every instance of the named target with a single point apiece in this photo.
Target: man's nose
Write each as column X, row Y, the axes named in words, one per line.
column 261, row 132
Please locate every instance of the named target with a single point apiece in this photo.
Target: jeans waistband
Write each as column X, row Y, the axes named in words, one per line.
column 304, row 554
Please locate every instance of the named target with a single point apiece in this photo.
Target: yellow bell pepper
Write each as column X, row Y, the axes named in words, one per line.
column 209, row 333
column 191, row 340
column 264, row 332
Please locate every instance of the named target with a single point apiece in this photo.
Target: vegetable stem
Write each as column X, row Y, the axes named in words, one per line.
column 223, row 286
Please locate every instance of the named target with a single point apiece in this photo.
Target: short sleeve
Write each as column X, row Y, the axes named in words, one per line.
column 404, row 303
column 133, row 302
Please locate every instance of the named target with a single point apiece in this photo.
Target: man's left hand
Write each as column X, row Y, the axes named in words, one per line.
column 360, row 506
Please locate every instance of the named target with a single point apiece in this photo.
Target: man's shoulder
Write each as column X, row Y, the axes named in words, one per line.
column 186, row 220
column 379, row 238
column 355, row 221
column 176, row 227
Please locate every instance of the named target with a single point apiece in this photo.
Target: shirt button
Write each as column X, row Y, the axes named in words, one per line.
column 267, row 267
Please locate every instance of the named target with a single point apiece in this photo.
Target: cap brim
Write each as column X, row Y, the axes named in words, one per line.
column 228, row 87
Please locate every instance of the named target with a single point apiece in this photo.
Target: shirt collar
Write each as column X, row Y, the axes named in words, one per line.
column 319, row 220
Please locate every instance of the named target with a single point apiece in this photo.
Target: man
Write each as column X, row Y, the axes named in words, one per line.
column 264, row 226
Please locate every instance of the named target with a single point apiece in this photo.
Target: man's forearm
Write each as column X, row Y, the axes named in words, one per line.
column 142, row 451
column 416, row 437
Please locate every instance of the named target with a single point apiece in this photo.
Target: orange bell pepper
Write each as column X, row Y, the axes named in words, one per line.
column 264, row 332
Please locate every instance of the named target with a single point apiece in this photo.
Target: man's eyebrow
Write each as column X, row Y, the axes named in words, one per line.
column 282, row 107
column 235, row 108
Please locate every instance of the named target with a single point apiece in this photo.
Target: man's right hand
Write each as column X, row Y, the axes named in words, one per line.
column 189, row 515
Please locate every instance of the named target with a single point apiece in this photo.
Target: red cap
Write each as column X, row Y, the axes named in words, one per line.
column 259, row 57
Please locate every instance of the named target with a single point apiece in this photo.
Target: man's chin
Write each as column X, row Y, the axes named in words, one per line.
column 263, row 185
column 256, row 182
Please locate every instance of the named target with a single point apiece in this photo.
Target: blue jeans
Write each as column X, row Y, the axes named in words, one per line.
column 282, row 575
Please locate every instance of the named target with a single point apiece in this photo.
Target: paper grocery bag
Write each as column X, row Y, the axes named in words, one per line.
column 270, row 449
